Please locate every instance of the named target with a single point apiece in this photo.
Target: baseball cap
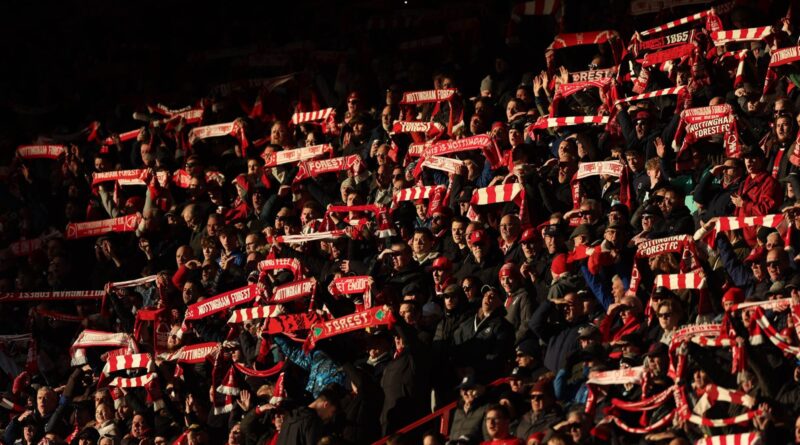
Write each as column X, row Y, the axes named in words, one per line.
column 441, row 263
column 530, row 234
column 477, row 237
column 508, row 269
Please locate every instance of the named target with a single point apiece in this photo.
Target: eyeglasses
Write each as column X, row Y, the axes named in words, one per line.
column 449, row 296
column 665, row 315
column 773, row 263
column 537, row 397
column 396, row 177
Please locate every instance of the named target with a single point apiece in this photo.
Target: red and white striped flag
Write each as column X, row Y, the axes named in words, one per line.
column 664, row 92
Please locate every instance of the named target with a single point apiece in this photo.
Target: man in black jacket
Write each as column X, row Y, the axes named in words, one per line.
column 485, row 342
column 716, row 198
column 307, row 424
column 484, row 260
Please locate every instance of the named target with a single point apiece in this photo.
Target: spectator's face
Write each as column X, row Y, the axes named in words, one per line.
column 551, row 244
column 359, row 129
column 612, row 236
column 642, row 128
column 477, row 250
column 212, row 226
column 576, row 428
column 529, row 249
column 279, row 135
column 210, row 252
column 617, row 290
column 386, row 118
column 438, row 276
column 183, row 254
column 491, row 301
column 572, row 308
column 251, row 243
column 45, row 401
column 229, row 242
column 776, row 265
column 398, row 178
column 476, row 125
column 29, row 432
column 666, row 318
column 353, row 105
column 382, row 155
column 451, row 301
column 669, row 202
column 422, row 210
column 565, row 170
column 409, row 315
column 539, row 402
column 401, row 257
column 773, row 240
column 524, row 361
column 420, row 244
column 753, row 165
column 731, row 172
column 509, row 228
column 509, row 283
column 515, row 137
column 496, row 424
column 635, row 161
column 189, row 293
column 470, row 289
column 588, row 214
column 511, row 109
column 252, row 167
column 783, row 127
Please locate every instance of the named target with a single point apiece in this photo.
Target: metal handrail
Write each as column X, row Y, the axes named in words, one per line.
column 443, row 412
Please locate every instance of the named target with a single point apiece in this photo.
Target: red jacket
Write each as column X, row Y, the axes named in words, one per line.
column 762, row 196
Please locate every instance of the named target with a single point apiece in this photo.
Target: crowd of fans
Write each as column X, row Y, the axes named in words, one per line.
column 209, row 278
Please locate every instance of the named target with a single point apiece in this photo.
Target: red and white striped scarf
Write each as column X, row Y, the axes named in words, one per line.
column 783, row 56
column 276, row 158
column 751, row 438
column 414, row 193
column 221, row 302
column 447, row 165
column 661, row 423
column 616, row 376
column 41, row 151
column 683, row 409
column 741, row 35
column 609, row 168
column 254, row 313
column 289, row 323
column 779, row 340
column 585, row 38
column 314, row 168
column 98, row 339
column 291, row 264
column 127, row 361
column 192, row 354
column 352, row 285
column 52, row 295
column 308, row 237
column 359, row 320
column 513, row 192
column 660, row 42
column 132, row 283
column 661, row 57
column 127, row 223
column 122, row 177
column 293, row 291
column 712, row 22
column 646, row 404
column 651, row 94
column 690, row 280
column 311, row 116
column 481, row 142
column 713, row 393
column 234, row 129
column 673, row 244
